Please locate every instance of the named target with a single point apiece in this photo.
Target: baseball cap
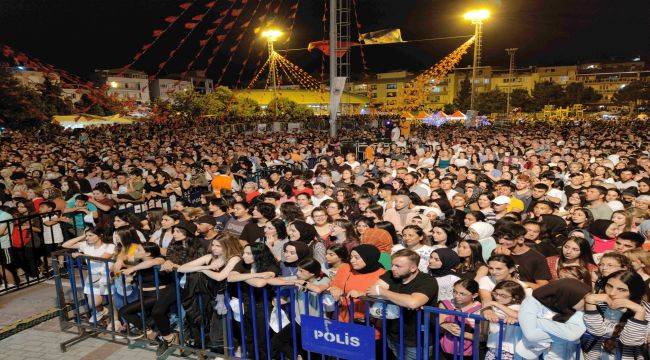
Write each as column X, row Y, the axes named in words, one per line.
column 501, row 200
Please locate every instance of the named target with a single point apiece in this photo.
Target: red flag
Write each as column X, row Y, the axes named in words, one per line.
column 241, row 36
column 203, row 42
column 162, row 65
column 220, row 38
column 211, row 31
column 229, row 25
column 185, row 6
column 157, row 33
column 210, row 4
column 324, row 46
column 218, row 21
column 190, row 25
column 146, row 46
column 223, row 13
column 233, row 48
column 245, row 25
column 235, row 12
column 171, row 19
column 172, row 53
column 295, row 7
column 137, row 56
column 198, row 18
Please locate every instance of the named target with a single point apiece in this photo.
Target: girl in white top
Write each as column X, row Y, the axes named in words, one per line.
column 500, row 268
column 507, row 296
column 91, row 244
column 413, row 238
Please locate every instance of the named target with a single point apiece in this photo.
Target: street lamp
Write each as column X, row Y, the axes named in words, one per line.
column 476, row 17
column 272, row 35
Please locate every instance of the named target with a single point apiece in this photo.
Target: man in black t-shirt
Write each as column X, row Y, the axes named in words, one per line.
column 531, row 265
column 409, row 288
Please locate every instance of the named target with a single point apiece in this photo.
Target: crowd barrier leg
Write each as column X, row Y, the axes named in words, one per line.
column 253, row 316
column 179, row 307
column 60, row 296
column 142, row 311
column 93, row 309
column 110, row 305
column 242, row 326
column 265, row 305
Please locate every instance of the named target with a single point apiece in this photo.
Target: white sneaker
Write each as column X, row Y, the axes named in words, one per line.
column 100, row 315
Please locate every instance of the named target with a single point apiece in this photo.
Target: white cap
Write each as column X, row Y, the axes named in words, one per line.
column 501, row 200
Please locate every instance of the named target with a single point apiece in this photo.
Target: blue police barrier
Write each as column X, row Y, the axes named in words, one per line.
column 273, row 322
column 335, row 338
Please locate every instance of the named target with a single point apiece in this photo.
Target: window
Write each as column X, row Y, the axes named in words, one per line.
column 391, row 94
column 390, row 102
column 373, row 87
column 373, row 95
column 391, row 86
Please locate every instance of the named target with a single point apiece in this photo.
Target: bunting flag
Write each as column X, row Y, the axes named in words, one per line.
column 146, row 46
column 190, row 25
column 211, row 31
column 210, row 4
column 220, row 38
column 185, row 6
column 229, row 25
column 324, row 47
column 203, row 42
column 292, row 17
column 386, row 36
column 157, row 33
column 361, row 50
column 198, row 18
column 224, row 13
column 233, row 49
column 236, row 12
column 171, row 19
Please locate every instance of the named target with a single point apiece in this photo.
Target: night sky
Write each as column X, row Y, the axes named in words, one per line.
column 81, row 35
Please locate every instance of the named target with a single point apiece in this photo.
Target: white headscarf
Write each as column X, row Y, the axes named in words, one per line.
column 483, row 229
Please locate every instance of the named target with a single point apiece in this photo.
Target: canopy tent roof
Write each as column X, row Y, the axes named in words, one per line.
column 457, row 115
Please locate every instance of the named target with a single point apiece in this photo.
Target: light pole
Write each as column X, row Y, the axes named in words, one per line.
column 476, row 17
column 271, row 35
column 511, row 52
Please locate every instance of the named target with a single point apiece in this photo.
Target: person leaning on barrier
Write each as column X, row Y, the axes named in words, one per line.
column 226, row 252
column 405, row 286
column 146, row 256
column 92, row 243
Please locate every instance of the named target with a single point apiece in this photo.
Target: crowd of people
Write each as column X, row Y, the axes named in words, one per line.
column 546, row 225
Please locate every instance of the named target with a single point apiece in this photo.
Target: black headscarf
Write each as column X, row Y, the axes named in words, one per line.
column 307, row 231
column 302, row 250
column 370, row 256
column 449, row 260
column 561, row 296
column 599, row 228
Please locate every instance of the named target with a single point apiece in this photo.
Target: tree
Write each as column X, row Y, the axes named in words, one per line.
column 493, row 101
column 634, row 93
column 20, row 106
column 548, row 93
column 520, row 98
column 53, row 101
column 577, row 93
column 246, row 107
column 463, row 99
column 288, row 109
column 188, row 104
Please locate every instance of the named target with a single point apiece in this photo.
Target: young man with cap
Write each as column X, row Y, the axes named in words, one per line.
column 405, row 286
column 506, row 188
column 500, row 205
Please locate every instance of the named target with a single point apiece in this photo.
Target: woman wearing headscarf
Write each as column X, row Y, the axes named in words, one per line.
column 482, row 232
column 442, row 263
column 603, row 233
column 400, row 215
column 352, row 280
column 301, row 231
column 382, row 240
column 293, row 252
column 553, row 233
column 551, row 320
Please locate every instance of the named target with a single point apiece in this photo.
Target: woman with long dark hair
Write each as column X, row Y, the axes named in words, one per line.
column 617, row 320
column 575, row 251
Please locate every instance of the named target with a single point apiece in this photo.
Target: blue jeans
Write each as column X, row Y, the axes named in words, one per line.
column 410, row 352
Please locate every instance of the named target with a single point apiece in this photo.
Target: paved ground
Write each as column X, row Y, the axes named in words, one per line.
column 42, row 341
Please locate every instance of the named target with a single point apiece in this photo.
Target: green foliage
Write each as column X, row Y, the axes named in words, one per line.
column 463, row 99
column 634, row 92
column 53, row 101
column 493, row 101
column 520, row 98
column 20, row 106
column 288, row 109
column 246, row 107
column 577, row 93
column 548, row 93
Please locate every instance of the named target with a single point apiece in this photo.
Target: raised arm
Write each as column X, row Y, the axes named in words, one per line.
column 195, row 265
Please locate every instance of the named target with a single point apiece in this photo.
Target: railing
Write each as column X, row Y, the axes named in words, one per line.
column 24, row 252
column 246, row 321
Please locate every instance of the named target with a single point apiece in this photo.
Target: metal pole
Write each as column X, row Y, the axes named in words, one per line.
column 333, row 74
column 511, row 52
column 274, row 79
column 478, row 30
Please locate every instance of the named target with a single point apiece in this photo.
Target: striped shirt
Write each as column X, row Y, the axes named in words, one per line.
column 631, row 341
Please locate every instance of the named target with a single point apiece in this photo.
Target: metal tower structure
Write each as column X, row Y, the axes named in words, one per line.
column 476, row 17
column 511, row 52
column 339, row 35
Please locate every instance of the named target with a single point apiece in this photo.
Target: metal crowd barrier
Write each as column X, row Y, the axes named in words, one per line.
column 23, row 252
column 251, row 335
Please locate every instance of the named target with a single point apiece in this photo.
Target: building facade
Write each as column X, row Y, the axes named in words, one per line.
column 125, row 85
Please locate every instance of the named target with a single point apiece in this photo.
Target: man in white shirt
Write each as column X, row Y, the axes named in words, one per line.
column 319, row 194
